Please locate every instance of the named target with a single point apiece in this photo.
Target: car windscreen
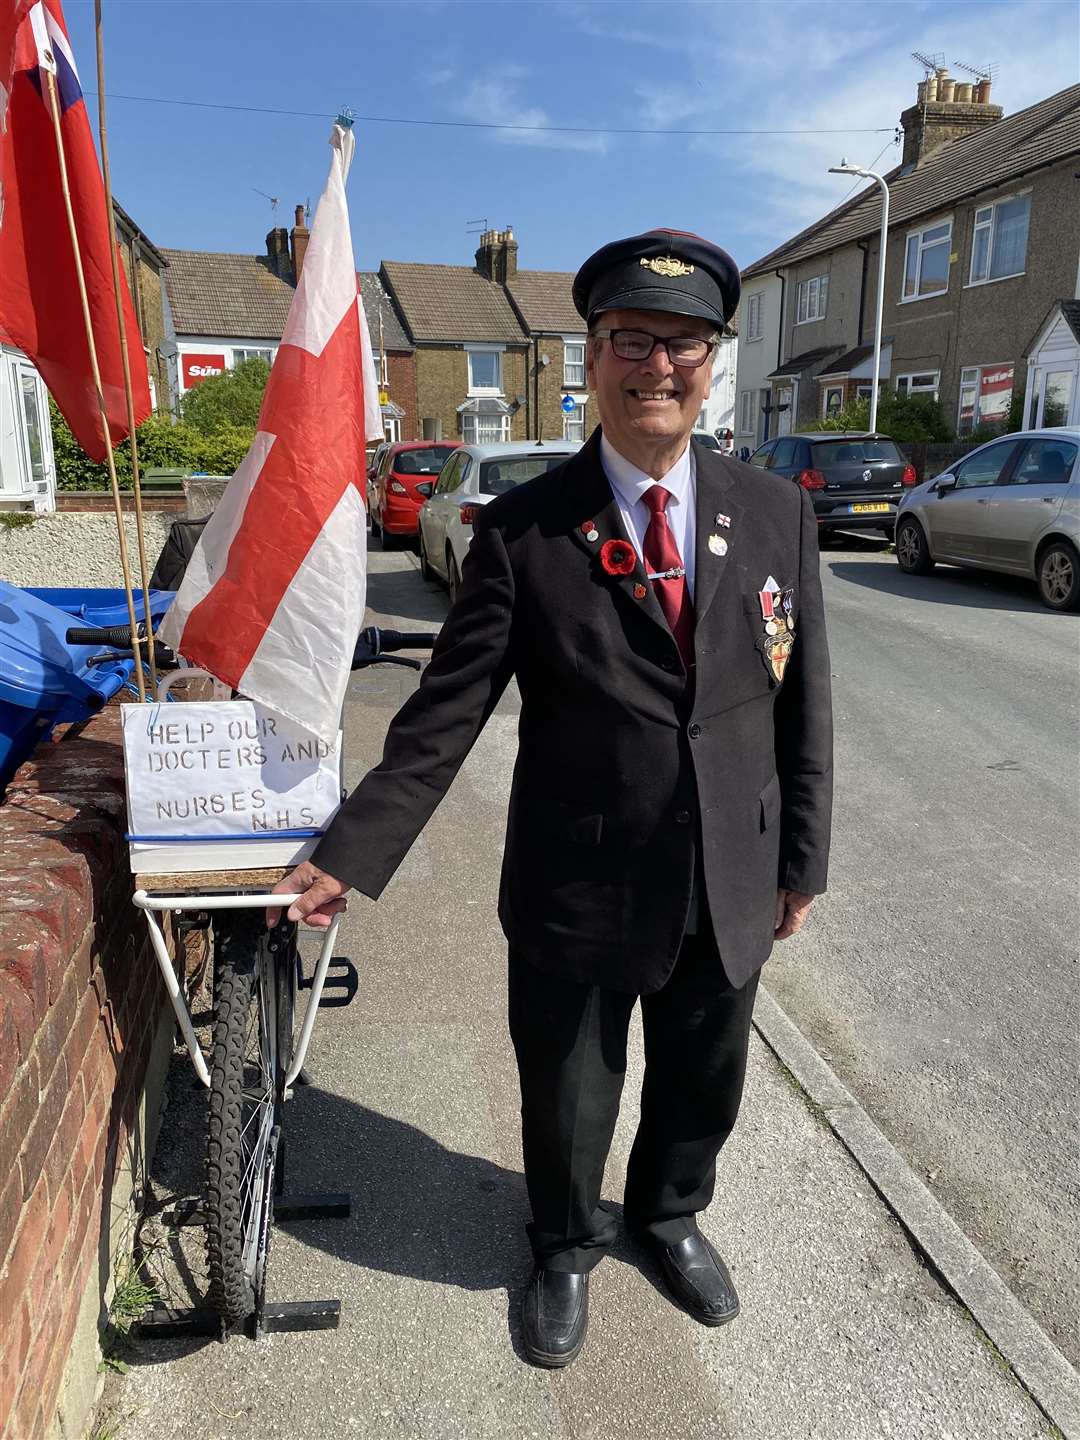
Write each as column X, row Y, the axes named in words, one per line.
column 498, row 476
column 422, row 462
column 709, row 441
column 854, row 452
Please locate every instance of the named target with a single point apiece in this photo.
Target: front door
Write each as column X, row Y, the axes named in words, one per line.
column 32, row 435
column 1055, row 393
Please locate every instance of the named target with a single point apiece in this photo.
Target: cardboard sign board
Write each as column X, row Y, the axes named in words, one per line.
column 224, row 785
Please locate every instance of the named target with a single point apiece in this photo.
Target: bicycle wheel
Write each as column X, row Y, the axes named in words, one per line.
column 246, row 1093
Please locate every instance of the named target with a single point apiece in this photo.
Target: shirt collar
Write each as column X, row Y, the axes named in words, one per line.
column 630, row 483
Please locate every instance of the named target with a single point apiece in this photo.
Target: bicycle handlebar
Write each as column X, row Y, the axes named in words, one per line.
column 385, row 641
column 117, row 636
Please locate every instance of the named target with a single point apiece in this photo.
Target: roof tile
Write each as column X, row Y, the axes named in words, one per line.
column 545, row 300
column 451, row 303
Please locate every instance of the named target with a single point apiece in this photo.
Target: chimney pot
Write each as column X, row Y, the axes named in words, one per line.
column 946, row 90
column 300, row 237
column 298, row 219
column 962, row 93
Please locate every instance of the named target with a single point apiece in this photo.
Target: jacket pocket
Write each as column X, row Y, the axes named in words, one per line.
column 583, row 829
column 770, row 803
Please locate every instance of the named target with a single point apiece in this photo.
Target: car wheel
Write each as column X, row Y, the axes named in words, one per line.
column 426, row 572
column 1058, row 576
column 912, row 551
column 453, row 576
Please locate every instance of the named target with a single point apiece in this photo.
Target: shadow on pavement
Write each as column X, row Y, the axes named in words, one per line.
column 403, row 593
column 973, row 588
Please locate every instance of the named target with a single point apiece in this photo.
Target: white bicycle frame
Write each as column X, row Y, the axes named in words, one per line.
column 150, row 904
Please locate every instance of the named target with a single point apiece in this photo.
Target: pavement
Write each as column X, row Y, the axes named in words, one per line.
column 846, row 1332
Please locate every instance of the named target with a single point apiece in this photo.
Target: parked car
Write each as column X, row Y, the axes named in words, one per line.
column 404, row 478
column 1012, row 505
column 472, row 477
column 706, row 438
column 856, row 480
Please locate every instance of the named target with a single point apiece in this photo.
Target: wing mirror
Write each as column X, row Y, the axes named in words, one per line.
column 944, row 483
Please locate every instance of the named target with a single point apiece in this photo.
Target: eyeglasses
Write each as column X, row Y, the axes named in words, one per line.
column 689, row 351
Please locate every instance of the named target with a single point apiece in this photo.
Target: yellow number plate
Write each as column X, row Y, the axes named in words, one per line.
column 869, row 509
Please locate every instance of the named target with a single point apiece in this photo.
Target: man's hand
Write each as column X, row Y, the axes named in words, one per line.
column 320, row 896
column 792, row 907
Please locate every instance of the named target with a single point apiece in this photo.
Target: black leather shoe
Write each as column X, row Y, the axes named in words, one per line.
column 698, row 1279
column 554, row 1316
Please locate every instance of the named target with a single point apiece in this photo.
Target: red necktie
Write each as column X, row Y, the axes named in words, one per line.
column 661, row 556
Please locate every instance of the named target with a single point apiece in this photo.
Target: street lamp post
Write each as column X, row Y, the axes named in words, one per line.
column 845, row 169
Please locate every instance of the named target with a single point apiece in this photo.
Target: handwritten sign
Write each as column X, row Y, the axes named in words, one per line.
column 224, row 785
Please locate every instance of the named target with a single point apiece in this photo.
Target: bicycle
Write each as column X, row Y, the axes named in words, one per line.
column 255, row 1059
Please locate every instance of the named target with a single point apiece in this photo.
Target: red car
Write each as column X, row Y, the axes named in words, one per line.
column 403, row 479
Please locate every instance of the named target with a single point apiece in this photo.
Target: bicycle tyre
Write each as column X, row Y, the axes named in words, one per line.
column 246, row 1095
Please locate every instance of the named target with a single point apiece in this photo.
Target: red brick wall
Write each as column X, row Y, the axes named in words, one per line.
column 80, row 1000
column 401, row 370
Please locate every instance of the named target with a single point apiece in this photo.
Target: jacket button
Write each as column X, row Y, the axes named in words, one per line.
column 682, row 817
column 694, row 731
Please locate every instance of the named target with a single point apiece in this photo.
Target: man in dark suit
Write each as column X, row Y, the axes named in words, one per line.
column 660, row 607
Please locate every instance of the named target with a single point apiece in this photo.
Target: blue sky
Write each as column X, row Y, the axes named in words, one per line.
column 190, row 176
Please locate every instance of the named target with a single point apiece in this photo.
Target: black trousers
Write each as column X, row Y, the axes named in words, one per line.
column 570, row 1041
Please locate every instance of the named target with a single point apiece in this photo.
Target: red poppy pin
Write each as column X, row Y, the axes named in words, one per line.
column 617, row 557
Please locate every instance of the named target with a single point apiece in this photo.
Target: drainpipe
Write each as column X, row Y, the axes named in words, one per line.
column 779, row 346
column 865, row 248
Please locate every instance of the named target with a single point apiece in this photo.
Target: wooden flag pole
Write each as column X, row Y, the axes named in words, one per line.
column 125, row 359
column 54, row 106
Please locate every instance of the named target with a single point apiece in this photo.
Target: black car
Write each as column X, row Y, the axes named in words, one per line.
column 856, row 480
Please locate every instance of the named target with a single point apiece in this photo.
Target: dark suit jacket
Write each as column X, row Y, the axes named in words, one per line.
column 626, row 769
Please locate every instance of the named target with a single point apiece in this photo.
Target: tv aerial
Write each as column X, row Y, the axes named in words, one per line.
column 930, row 63
column 272, row 198
column 980, row 72
column 481, row 224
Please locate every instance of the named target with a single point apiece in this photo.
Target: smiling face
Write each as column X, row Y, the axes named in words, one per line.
column 648, row 407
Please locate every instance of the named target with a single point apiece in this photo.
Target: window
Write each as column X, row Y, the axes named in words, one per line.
column 1045, row 462
column 985, row 396
column 761, row 457
column 985, row 466
column 833, row 401
column 485, row 429
column 574, row 423
column 827, row 453
column 239, row 356
column 150, row 377
column 754, row 330
column 999, row 239
column 391, row 428
column 924, row 384
column 783, row 457
column 810, row 297
column 573, row 368
column 498, row 476
column 485, row 372
column 926, row 261
column 746, row 413
column 450, row 475
column 702, row 421
column 384, row 369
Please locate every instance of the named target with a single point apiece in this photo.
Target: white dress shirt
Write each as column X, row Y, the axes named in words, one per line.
column 628, row 485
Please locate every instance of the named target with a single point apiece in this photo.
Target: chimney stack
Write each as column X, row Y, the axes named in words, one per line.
column 496, row 259
column 300, row 237
column 944, row 110
column 277, row 249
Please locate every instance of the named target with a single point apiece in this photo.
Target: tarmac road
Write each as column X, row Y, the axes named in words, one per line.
column 939, row 975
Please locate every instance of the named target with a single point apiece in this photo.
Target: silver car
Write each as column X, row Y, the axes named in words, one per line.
column 1011, row 505
column 472, row 476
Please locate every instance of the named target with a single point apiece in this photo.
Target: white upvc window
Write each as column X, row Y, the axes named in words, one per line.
column 985, row 397
column 384, row 369
column 926, row 261
column 239, row 355
column 754, row 325
column 485, row 370
column 810, row 298
column 999, row 239
column 391, row 428
column 925, row 382
column 485, row 429
column 832, row 401
column 574, row 422
column 746, row 412
column 573, row 363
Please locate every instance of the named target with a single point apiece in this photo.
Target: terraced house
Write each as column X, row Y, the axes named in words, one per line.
column 982, row 277
column 500, row 352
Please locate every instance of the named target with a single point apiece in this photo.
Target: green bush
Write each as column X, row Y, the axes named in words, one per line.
column 906, row 418
column 227, row 402
column 162, row 443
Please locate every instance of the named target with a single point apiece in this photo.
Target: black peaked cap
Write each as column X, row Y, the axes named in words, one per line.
column 661, row 270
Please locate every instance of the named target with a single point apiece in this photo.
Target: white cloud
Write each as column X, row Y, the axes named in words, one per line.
column 495, row 98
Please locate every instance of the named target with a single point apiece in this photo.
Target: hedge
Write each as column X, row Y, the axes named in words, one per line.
column 161, row 443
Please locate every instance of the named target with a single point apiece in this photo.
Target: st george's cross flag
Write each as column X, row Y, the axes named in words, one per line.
column 273, row 597
column 40, row 307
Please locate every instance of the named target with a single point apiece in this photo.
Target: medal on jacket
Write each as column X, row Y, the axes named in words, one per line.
column 776, row 608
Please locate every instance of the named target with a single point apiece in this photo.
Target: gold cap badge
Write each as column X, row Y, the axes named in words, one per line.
column 666, row 265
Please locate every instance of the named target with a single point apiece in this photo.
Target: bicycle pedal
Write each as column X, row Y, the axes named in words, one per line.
column 341, row 983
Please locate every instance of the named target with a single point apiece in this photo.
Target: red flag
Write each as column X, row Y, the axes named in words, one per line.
column 273, row 596
column 40, row 308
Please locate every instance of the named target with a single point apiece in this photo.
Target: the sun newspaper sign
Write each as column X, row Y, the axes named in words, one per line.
column 224, row 785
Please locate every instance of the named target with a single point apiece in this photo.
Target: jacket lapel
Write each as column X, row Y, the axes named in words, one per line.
column 713, row 572
column 589, row 496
